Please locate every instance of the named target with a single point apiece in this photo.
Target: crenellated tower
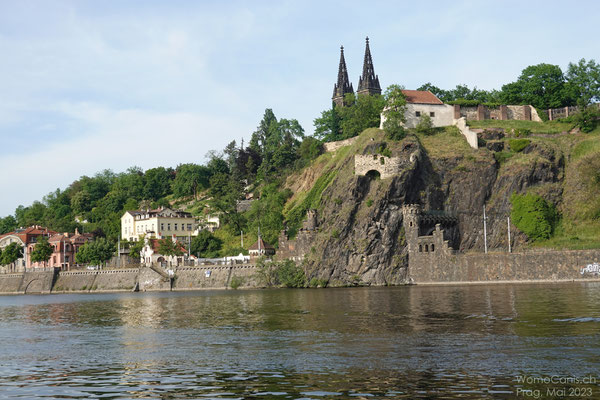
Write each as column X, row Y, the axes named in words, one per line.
column 343, row 85
column 368, row 83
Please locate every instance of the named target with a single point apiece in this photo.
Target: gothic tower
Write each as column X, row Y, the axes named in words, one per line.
column 368, row 83
column 343, row 85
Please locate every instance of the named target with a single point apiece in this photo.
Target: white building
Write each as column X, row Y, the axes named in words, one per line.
column 423, row 102
column 160, row 223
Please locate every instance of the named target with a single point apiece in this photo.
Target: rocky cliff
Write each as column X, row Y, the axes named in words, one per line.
column 360, row 239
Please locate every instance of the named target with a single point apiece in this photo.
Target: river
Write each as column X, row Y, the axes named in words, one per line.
column 467, row 342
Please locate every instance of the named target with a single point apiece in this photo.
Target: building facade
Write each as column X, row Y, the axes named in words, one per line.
column 159, row 223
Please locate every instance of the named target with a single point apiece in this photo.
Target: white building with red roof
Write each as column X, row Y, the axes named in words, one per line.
column 423, row 102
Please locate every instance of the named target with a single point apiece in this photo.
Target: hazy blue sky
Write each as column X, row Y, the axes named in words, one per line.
column 90, row 85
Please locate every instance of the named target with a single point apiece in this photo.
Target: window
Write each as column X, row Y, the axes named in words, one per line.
column 162, row 226
column 432, row 247
column 418, row 113
column 168, row 227
column 175, row 226
column 432, row 114
column 189, row 227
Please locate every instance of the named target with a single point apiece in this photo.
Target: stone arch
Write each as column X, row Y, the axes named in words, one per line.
column 34, row 286
column 373, row 174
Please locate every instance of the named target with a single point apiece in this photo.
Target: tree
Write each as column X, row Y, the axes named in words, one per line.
column 11, row 253
column 425, row 124
column 394, row 112
column 97, row 252
column 542, row 85
column 158, row 183
column 327, row 126
column 7, row 224
column 168, row 247
column 190, row 179
column 441, row 94
column 533, row 215
column 584, row 78
column 135, row 248
column 309, row 149
column 363, row 111
column 206, row 245
column 42, row 250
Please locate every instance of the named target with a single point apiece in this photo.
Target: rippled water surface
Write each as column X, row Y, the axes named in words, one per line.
column 473, row 342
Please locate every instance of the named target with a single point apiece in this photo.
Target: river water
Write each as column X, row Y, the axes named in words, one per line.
column 467, row 342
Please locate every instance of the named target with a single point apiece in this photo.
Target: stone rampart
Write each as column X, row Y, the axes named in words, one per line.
column 10, row 283
column 333, row 146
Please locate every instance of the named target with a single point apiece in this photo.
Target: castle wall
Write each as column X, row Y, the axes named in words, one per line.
column 386, row 166
column 333, row 146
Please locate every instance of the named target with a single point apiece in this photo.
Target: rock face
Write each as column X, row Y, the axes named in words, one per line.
column 361, row 238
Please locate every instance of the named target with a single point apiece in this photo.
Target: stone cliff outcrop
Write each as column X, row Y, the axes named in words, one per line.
column 360, row 237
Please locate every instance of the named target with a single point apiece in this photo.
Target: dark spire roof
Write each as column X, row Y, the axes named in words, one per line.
column 343, row 85
column 369, row 82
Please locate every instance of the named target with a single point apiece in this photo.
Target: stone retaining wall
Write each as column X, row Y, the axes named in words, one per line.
column 10, row 283
column 446, row 266
column 214, row 277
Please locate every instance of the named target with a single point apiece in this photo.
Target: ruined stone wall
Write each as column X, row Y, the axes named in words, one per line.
column 295, row 249
column 333, row 146
column 386, row 166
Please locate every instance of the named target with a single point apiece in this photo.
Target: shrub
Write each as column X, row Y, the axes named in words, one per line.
column 502, row 156
column 236, row 282
column 533, row 215
column 315, row 282
column 587, row 119
column 517, row 145
column 522, row 132
column 335, row 234
column 369, row 203
column 425, row 125
column 290, row 275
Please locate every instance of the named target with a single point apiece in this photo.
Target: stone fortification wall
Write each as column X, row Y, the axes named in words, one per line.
column 447, row 267
column 386, row 166
column 503, row 112
column 116, row 280
column 10, row 283
column 75, row 281
column 333, row 146
column 214, row 277
column 470, row 135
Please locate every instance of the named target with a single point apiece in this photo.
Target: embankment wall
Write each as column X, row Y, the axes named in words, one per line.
column 447, row 267
column 214, row 277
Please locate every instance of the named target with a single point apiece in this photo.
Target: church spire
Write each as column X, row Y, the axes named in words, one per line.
column 343, row 85
column 368, row 83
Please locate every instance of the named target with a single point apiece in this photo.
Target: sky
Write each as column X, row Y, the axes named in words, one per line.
column 93, row 85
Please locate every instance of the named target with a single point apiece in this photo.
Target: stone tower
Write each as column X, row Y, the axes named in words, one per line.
column 368, row 83
column 343, row 85
column 411, row 218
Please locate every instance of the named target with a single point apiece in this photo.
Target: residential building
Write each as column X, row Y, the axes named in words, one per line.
column 26, row 238
column 159, row 223
column 64, row 246
column 423, row 102
column 150, row 254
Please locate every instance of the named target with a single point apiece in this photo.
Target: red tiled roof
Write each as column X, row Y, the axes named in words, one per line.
column 421, row 97
column 263, row 245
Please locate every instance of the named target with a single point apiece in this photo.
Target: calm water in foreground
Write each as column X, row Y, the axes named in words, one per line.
column 473, row 342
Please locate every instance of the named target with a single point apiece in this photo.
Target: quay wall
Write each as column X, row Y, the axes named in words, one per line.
column 550, row 265
column 10, row 283
column 214, row 277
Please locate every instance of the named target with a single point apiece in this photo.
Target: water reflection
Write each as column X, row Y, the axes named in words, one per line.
column 405, row 342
